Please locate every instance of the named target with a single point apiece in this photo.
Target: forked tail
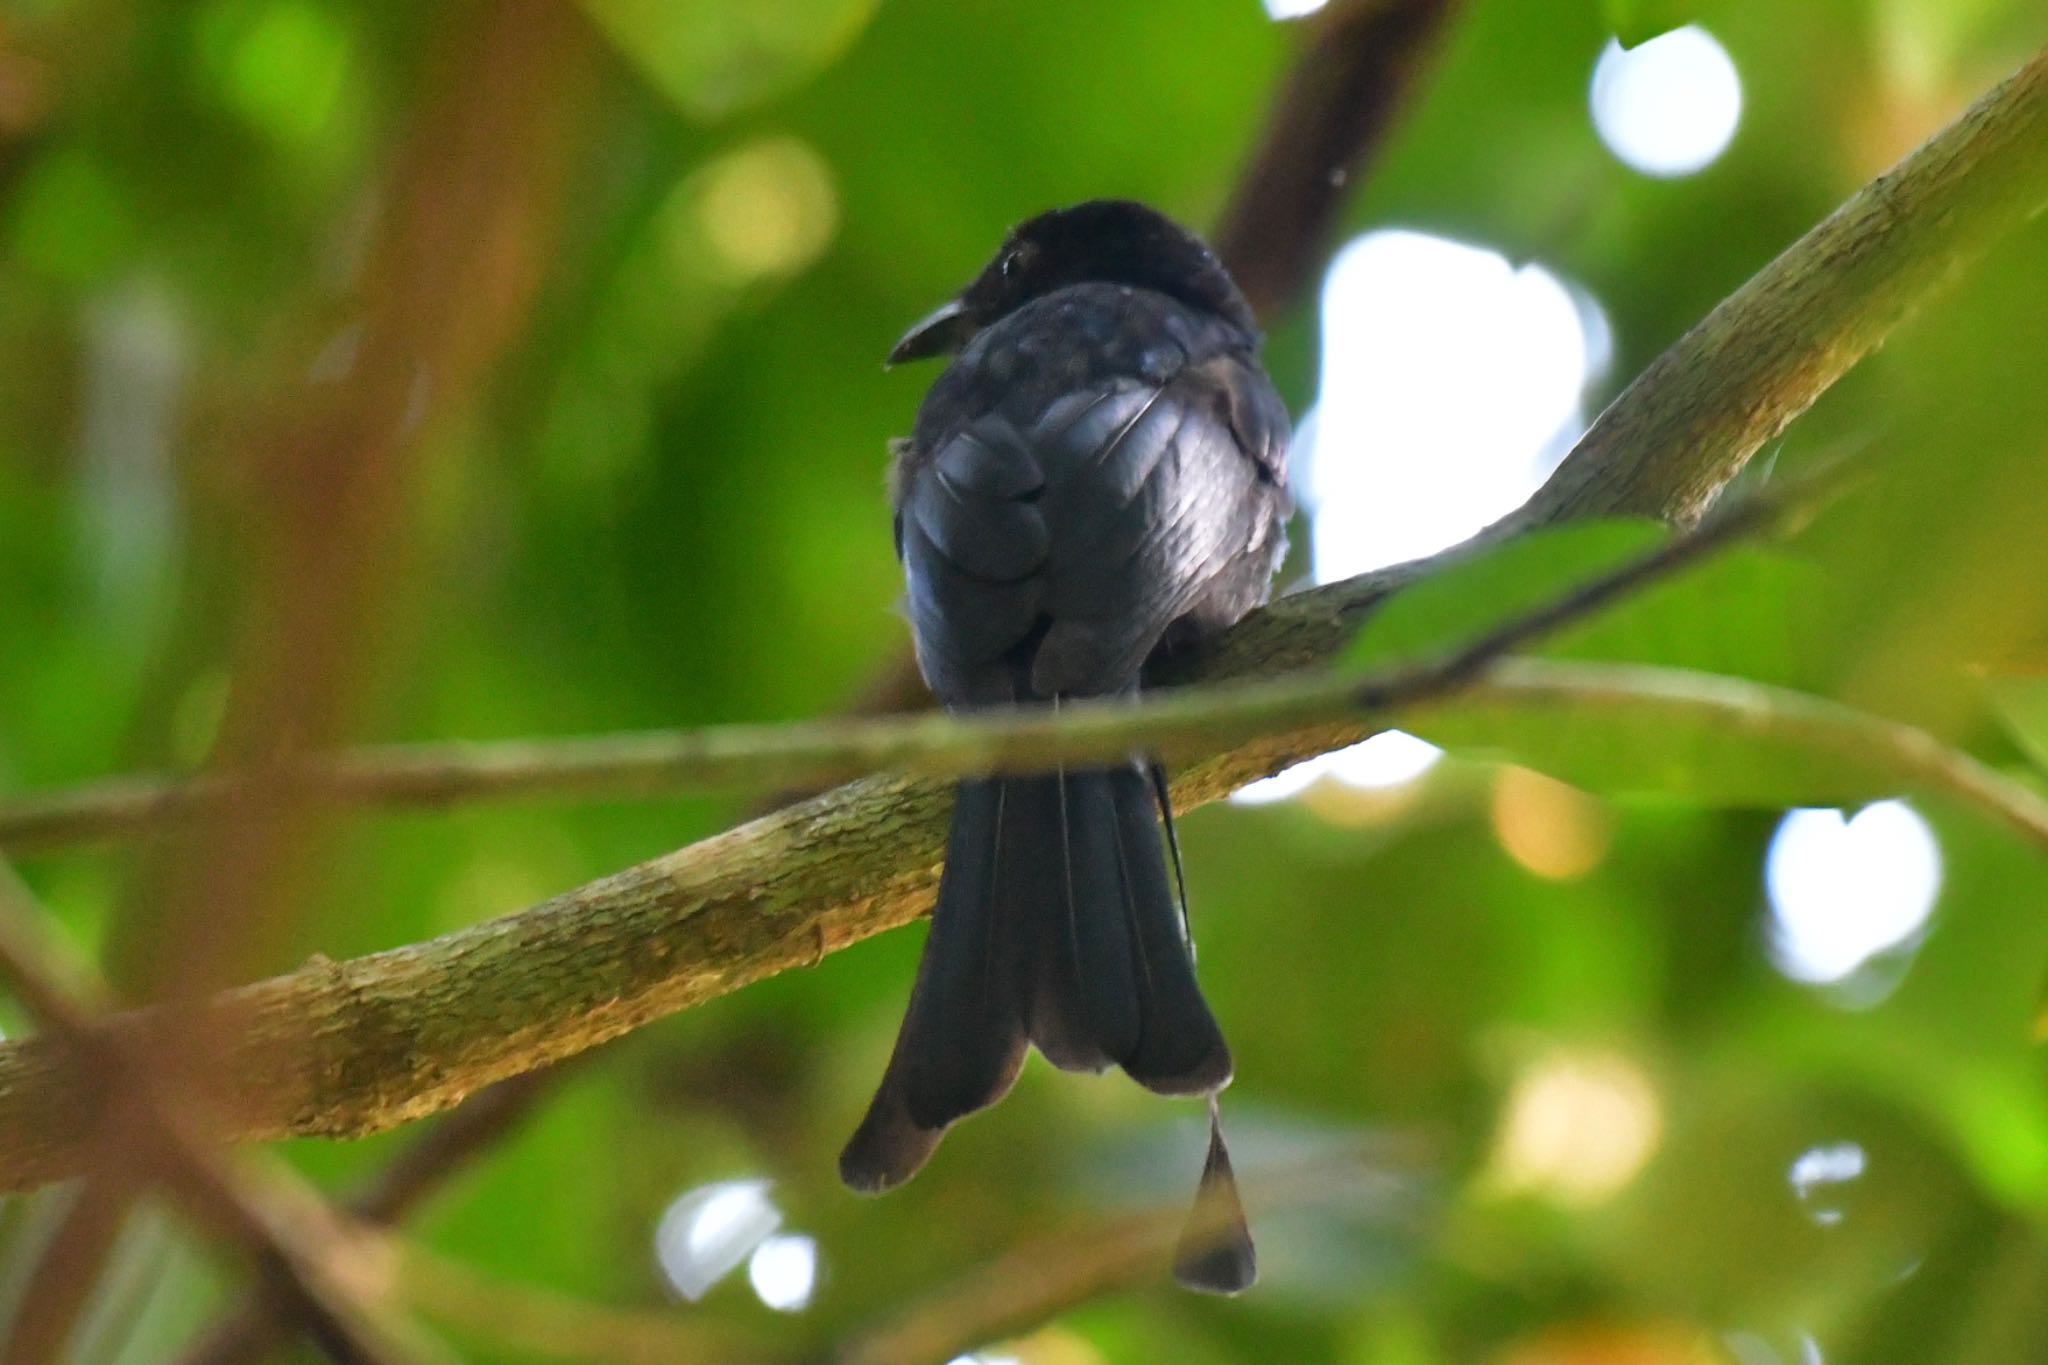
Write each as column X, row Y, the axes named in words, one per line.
column 1056, row 924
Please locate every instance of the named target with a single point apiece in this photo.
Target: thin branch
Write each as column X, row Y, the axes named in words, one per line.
column 816, row 752
column 441, row 288
column 538, row 1320
column 251, row 1330
column 1355, row 77
column 1882, row 751
column 61, row 1282
column 344, row 1048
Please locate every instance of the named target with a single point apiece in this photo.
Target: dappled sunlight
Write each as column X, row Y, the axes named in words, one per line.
column 1384, row 762
column 1294, row 9
column 1452, row 381
column 765, row 210
column 709, row 1231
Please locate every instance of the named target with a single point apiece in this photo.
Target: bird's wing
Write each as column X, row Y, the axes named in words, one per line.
column 1047, row 557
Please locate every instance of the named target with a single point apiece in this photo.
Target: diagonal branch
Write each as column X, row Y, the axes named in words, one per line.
column 252, row 1330
column 352, row 1047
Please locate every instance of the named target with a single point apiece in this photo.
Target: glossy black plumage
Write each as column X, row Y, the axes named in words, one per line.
column 1101, row 465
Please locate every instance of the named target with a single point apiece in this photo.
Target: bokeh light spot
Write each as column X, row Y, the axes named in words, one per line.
column 708, row 1231
column 1579, row 1125
column 1844, row 889
column 283, row 65
column 1451, row 383
column 1819, row 1172
column 1390, row 759
column 784, row 1272
column 768, row 209
column 1554, row 830
column 1670, row 106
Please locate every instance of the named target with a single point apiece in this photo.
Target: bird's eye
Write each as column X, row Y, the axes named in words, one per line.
column 1016, row 259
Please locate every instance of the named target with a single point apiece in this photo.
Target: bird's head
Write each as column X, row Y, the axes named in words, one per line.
column 1111, row 241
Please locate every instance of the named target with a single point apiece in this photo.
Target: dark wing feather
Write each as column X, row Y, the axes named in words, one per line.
column 1144, row 526
column 973, row 541
column 1060, row 508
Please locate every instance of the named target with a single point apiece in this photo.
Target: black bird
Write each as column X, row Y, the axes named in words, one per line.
column 1100, row 473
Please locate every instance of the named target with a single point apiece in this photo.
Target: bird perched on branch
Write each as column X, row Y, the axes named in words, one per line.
column 1099, row 473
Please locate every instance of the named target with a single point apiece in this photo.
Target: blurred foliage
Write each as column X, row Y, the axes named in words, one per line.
column 666, row 508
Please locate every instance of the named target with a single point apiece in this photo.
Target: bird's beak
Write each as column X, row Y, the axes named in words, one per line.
column 940, row 332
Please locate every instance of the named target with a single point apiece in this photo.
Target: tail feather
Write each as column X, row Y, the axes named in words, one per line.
column 1215, row 1253
column 1084, row 997
column 962, row 1040
column 1180, row 1050
column 1055, row 923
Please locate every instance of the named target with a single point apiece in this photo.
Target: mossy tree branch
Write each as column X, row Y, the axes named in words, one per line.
column 348, row 1048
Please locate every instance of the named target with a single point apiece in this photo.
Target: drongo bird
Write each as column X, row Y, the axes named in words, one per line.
column 1099, row 474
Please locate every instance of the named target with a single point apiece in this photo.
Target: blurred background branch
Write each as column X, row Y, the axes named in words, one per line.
column 324, row 466
column 150, row 1131
column 253, row 1329
column 1339, row 105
